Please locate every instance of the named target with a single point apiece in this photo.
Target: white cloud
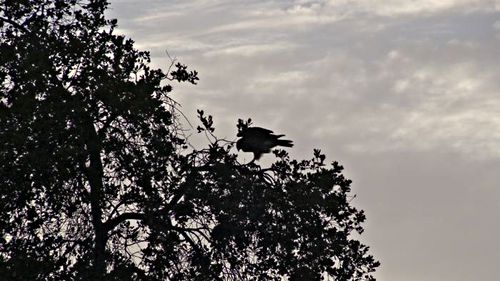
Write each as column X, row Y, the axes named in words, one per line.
column 496, row 25
column 397, row 7
column 248, row 50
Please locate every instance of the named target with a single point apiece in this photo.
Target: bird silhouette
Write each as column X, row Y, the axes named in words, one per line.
column 259, row 141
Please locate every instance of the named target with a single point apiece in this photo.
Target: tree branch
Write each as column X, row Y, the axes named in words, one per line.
column 19, row 26
column 112, row 223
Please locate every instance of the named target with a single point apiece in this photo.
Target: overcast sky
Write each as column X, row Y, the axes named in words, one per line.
column 405, row 94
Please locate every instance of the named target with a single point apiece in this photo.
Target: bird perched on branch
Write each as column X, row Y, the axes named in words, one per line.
column 259, row 141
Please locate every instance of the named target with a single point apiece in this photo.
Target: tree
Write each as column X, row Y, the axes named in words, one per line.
column 98, row 181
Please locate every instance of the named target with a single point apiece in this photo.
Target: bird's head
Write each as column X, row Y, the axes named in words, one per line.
column 242, row 131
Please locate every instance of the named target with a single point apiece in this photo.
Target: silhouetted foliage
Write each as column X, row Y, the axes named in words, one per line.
column 97, row 181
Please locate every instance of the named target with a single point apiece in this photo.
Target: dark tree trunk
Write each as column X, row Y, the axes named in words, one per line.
column 94, row 172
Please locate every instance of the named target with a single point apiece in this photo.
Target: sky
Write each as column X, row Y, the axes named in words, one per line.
column 404, row 94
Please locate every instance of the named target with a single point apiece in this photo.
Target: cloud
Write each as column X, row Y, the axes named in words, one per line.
column 416, row 104
column 248, row 50
column 393, row 8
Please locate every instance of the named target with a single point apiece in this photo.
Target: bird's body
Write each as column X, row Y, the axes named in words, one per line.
column 259, row 141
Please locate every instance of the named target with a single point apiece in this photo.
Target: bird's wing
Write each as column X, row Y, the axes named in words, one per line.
column 258, row 131
column 255, row 131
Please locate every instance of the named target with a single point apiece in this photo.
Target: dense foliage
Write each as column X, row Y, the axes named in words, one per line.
column 98, row 182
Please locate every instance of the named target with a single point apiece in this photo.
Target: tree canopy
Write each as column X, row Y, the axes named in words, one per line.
column 98, row 181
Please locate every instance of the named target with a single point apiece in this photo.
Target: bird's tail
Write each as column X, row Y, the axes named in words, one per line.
column 286, row 143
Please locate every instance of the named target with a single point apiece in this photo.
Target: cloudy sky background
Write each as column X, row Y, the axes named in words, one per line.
column 405, row 94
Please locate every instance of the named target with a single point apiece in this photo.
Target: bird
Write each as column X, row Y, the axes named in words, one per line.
column 259, row 141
